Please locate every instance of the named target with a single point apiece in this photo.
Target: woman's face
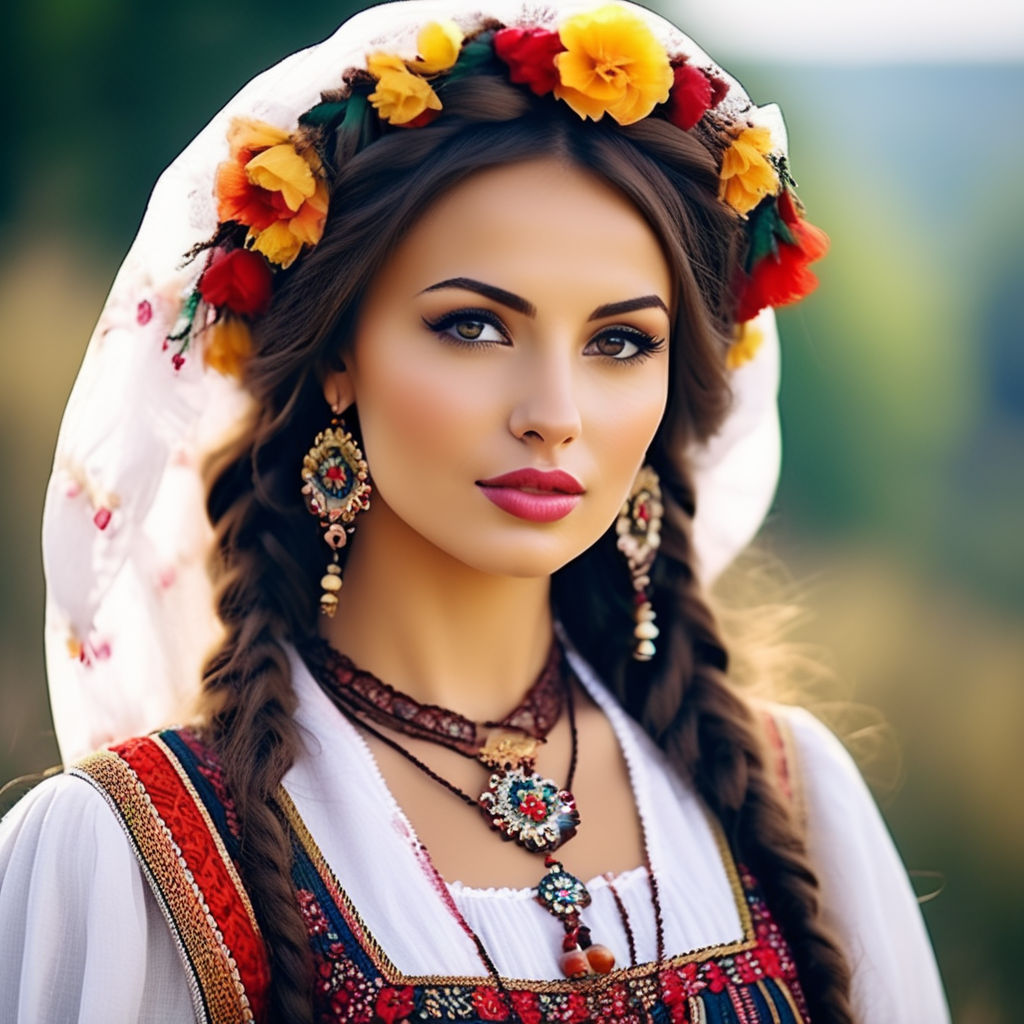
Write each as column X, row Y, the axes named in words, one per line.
column 521, row 325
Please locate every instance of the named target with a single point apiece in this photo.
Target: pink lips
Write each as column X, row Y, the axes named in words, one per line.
column 541, row 496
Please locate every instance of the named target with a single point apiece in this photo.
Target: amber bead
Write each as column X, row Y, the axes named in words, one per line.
column 575, row 964
column 601, row 959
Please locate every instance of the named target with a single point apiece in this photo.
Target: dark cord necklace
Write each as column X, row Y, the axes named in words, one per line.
column 518, row 803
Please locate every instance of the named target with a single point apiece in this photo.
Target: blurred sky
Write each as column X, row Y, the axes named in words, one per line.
column 865, row 30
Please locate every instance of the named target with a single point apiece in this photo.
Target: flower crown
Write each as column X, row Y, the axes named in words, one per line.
column 272, row 191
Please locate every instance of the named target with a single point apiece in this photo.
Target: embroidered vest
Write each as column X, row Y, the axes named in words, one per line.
column 169, row 794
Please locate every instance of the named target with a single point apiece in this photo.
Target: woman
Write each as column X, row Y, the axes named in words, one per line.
column 488, row 300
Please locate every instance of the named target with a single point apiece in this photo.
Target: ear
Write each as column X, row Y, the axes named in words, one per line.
column 338, row 390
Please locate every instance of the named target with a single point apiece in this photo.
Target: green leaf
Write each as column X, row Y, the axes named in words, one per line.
column 476, row 58
column 764, row 223
column 323, row 115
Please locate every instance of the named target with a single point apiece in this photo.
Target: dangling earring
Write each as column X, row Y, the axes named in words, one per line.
column 335, row 490
column 639, row 531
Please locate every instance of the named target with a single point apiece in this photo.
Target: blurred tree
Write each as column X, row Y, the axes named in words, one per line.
column 109, row 91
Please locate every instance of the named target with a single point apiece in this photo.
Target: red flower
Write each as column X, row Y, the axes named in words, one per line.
column 782, row 276
column 575, row 1011
column 489, row 1004
column 394, row 1004
column 769, row 961
column 530, row 56
column 690, row 97
column 717, row 980
column 694, row 92
column 526, row 1007
column 671, row 987
column 239, row 280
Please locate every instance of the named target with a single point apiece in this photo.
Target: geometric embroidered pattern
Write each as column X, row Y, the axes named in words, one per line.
column 752, row 981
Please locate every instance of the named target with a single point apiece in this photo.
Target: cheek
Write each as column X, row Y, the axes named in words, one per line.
column 417, row 418
column 623, row 417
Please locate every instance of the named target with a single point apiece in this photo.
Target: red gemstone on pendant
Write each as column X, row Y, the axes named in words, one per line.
column 533, row 807
column 335, row 473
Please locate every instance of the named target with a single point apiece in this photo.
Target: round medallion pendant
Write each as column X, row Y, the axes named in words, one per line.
column 335, row 479
column 530, row 809
column 561, row 893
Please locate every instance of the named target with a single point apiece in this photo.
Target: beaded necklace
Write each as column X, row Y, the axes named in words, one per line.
column 518, row 803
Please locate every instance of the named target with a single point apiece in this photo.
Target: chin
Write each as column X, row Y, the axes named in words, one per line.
column 521, row 559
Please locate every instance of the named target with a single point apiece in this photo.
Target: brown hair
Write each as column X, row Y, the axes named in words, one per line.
column 269, row 555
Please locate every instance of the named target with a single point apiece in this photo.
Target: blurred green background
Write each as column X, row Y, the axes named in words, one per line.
column 902, row 499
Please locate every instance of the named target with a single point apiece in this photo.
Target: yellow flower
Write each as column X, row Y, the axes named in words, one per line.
column 745, row 346
column 747, row 177
column 275, row 188
column 613, row 65
column 438, row 44
column 246, row 133
column 400, row 95
column 228, row 345
column 281, row 169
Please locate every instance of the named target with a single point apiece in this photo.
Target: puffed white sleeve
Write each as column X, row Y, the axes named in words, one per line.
column 866, row 895
column 81, row 937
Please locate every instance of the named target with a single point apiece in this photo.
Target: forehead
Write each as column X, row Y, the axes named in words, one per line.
column 539, row 228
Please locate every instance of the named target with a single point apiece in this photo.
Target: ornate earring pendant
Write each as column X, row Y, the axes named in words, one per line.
column 335, row 487
column 639, row 534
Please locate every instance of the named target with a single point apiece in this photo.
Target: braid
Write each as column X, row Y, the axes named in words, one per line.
column 268, row 555
column 249, row 704
column 711, row 735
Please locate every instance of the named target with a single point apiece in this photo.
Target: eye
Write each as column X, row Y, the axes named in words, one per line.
column 624, row 344
column 470, row 327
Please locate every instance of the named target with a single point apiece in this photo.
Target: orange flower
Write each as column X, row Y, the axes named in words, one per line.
column 613, row 65
column 228, row 345
column 274, row 188
column 747, row 177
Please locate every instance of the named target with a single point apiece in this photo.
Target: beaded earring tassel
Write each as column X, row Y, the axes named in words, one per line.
column 639, row 535
column 335, row 488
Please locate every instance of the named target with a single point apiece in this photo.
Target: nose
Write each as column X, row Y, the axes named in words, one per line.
column 547, row 414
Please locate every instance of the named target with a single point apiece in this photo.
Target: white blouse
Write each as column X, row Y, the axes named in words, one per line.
column 82, row 938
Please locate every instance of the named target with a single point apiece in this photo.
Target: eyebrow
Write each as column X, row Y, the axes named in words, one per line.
column 527, row 308
column 510, row 299
column 628, row 306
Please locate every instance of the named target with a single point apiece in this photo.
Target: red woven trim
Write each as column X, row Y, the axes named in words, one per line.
column 234, row 961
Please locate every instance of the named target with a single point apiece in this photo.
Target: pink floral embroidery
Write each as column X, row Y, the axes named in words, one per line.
column 316, row 923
